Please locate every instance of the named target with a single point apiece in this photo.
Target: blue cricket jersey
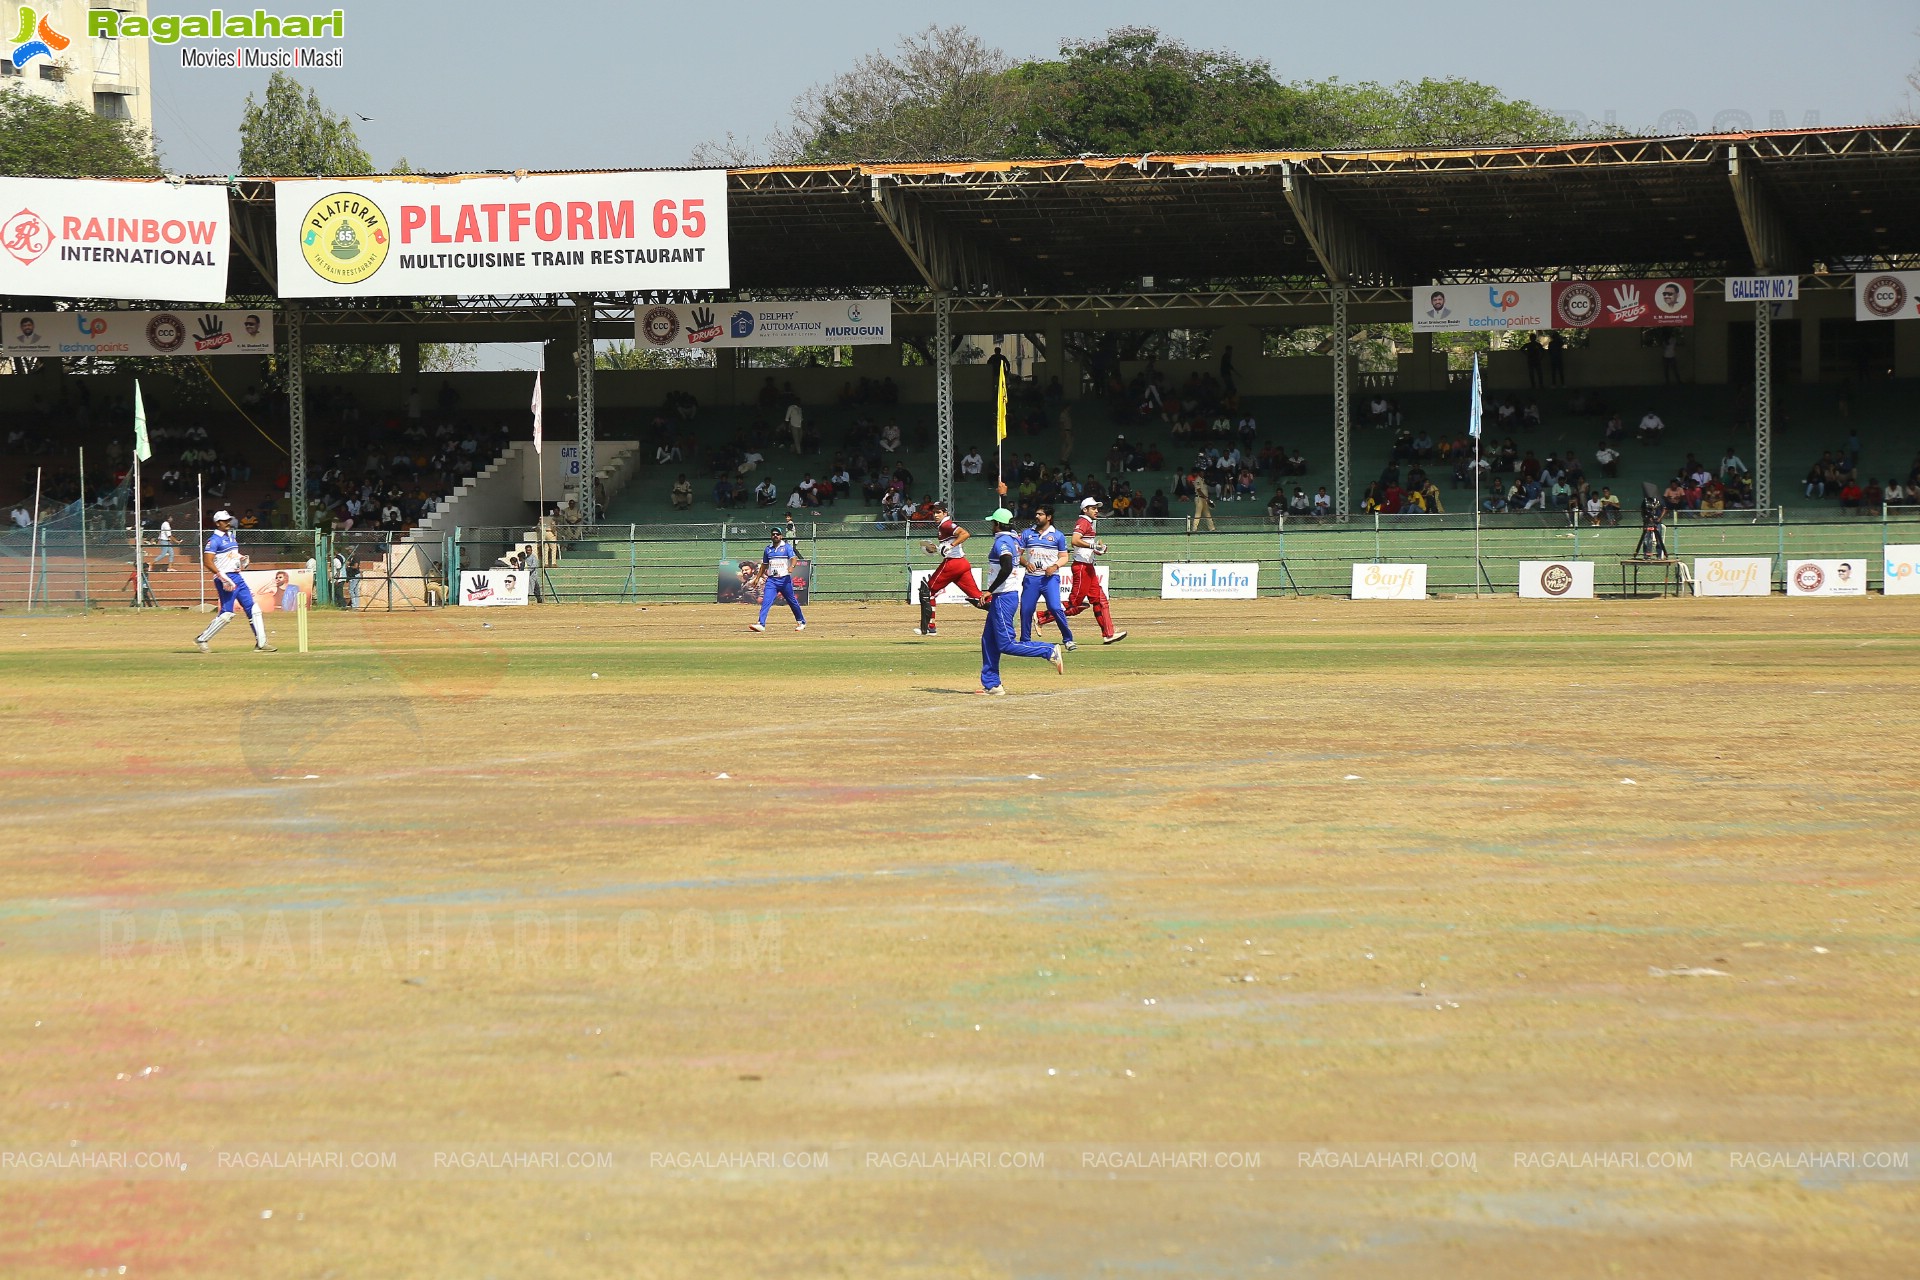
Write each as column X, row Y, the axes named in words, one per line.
column 1052, row 540
column 226, row 552
column 779, row 560
column 1005, row 544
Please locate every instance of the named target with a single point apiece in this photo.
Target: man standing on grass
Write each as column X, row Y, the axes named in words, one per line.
column 1086, row 589
column 1000, row 601
column 1043, row 552
column 223, row 560
column 953, row 569
column 777, row 580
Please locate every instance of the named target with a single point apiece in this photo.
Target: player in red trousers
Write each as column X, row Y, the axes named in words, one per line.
column 954, row 568
column 1086, row 589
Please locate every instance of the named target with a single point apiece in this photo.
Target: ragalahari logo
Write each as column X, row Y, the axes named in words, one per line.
column 35, row 39
column 25, row 236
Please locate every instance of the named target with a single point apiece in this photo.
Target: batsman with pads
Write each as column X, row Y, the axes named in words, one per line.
column 954, row 568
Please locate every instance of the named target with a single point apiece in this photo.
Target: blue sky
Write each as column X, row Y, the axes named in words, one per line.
column 476, row 84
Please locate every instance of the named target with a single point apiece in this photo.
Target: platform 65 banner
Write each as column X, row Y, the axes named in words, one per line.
column 91, row 238
column 1886, row 295
column 136, row 333
column 1622, row 304
column 857, row 322
column 412, row 237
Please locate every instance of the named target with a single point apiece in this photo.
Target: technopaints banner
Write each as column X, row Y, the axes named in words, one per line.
column 1461, row 308
column 858, row 322
column 93, row 238
column 136, row 333
column 551, row 233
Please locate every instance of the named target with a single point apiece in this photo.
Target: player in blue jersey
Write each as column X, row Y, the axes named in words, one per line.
column 1000, row 601
column 1043, row 553
column 776, row 576
column 223, row 560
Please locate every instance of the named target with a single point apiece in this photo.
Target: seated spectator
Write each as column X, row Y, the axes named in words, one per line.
column 1610, row 506
column 1377, row 411
column 1593, row 508
column 1713, row 498
column 1816, row 484
column 1850, row 497
column 1243, row 486
column 1530, row 416
column 890, row 437
column 1730, row 465
column 766, row 493
column 1322, row 504
column 683, row 493
column 972, row 464
column 666, row 453
column 809, row 491
column 1431, row 494
column 1157, row 505
column 750, row 460
column 723, row 490
column 1650, row 427
column 1896, row 493
column 1298, row 504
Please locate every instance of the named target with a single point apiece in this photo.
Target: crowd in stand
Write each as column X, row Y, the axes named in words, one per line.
column 384, row 472
column 1836, row 474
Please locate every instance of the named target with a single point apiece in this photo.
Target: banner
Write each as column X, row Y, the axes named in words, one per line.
column 136, row 333
column 1209, row 581
column 1390, row 582
column 740, row 581
column 92, row 238
column 1826, row 577
column 1622, row 304
column 491, row 587
column 1763, row 288
column 1903, row 571
column 280, row 590
column 949, row 594
column 1556, row 579
column 548, row 233
column 859, row 322
column 1732, row 576
column 1457, row 308
column 1886, row 295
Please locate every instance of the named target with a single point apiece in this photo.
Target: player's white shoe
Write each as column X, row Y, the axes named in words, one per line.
column 1115, row 638
column 799, row 626
column 264, row 648
column 1059, row 659
column 998, row 691
column 755, row 626
column 1070, row 646
column 203, row 646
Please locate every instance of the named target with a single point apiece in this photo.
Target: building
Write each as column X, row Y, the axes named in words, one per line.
column 111, row 78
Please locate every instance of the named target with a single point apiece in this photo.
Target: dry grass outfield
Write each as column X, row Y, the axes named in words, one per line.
column 1340, row 889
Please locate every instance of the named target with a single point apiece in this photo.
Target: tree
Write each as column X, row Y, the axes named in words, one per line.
column 1425, row 113
column 63, row 140
column 293, row 133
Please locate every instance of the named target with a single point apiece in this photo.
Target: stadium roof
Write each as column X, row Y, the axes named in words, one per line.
column 1790, row 201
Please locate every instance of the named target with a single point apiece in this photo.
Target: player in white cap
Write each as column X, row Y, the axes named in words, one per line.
column 224, row 561
column 1086, row 588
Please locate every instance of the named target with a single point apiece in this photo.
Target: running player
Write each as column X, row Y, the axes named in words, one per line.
column 953, row 569
column 1000, row 601
column 223, row 560
column 1086, row 588
column 776, row 575
column 1043, row 552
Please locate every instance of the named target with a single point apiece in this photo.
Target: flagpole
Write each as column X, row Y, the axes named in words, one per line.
column 200, row 500
column 85, row 594
column 1476, row 413
column 140, row 449
column 33, row 543
column 1000, row 437
column 540, row 465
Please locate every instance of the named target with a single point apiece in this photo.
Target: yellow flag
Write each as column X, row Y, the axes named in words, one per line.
column 1001, row 420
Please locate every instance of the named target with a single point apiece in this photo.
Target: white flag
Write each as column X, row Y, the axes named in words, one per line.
column 536, row 413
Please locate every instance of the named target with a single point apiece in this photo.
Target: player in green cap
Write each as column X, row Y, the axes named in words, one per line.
column 1001, row 602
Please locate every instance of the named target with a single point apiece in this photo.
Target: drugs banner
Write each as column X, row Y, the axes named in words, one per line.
column 92, row 238
column 1556, row 579
column 857, row 322
column 136, row 333
column 1390, row 582
column 1459, row 308
column 490, row 588
column 1622, row 304
column 1886, row 295
column 550, row 233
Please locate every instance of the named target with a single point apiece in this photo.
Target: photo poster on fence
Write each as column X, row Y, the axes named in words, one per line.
column 1556, row 579
column 1732, row 576
column 740, row 582
column 493, row 588
column 1389, row 582
column 1826, row 577
column 280, row 590
column 1902, row 571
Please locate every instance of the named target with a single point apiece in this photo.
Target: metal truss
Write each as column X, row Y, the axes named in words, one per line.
column 1762, row 406
column 583, row 376
column 297, row 415
column 943, row 390
column 1198, row 300
column 1342, row 409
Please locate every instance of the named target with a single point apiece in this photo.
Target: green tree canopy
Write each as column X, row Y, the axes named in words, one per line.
column 293, row 133
column 63, row 140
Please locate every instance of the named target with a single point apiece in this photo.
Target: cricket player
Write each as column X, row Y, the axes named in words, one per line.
column 954, row 568
column 1086, row 588
column 223, row 560
column 776, row 577
column 1043, row 553
column 1000, row 601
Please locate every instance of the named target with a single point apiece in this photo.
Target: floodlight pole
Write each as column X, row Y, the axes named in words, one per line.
column 1762, row 405
column 583, row 356
column 297, row 416
column 943, row 383
column 1342, row 409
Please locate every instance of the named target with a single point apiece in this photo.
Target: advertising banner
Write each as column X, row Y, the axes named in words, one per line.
column 1903, row 571
column 1390, row 582
column 1886, row 295
column 1622, row 304
column 1763, row 288
column 1209, row 581
column 1556, row 579
column 740, row 582
column 280, row 590
column 857, row 322
column 949, row 594
column 488, row 588
column 91, row 238
column 547, row 233
column 1732, row 576
column 1826, row 577
column 1458, row 308
column 136, row 333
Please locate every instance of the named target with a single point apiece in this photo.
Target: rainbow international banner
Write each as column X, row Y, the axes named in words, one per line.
column 136, row 333
column 147, row 240
column 1886, row 295
column 543, row 233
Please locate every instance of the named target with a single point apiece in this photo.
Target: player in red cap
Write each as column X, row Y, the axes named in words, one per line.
column 954, row 568
column 1086, row 589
